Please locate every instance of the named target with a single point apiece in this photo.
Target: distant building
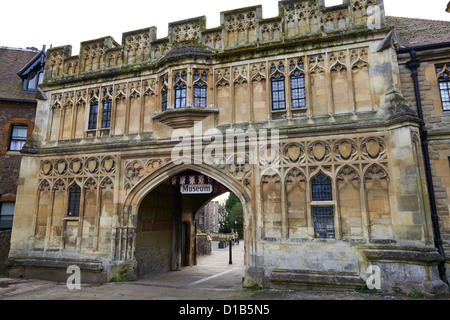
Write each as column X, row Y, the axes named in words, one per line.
column 209, row 217
column 21, row 70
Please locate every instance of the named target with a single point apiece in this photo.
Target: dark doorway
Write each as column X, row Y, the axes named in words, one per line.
column 167, row 222
column 185, row 242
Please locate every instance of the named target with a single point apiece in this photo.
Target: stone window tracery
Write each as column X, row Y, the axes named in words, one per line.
column 93, row 112
column 323, row 213
column 180, row 89
column 298, row 87
column 200, row 89
column 74, row 201
column 277, row 80
column 107, row 108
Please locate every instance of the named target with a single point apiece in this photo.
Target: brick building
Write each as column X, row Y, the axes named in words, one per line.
column 208, row 217
column 21, row 70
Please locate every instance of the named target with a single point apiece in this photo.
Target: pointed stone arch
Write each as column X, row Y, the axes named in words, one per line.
column 126, row 231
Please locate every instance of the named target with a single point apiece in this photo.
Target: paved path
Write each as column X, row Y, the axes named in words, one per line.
column 212, row 279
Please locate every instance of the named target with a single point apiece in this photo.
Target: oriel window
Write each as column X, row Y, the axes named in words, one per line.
column 180, row 90
column 443, row 74
column 164, row 95
column 74, row 201
column 18, row 137
column 200, row 89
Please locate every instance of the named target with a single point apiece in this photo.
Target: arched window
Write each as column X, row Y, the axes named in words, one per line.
column 278, row 90
column 164, row 95
column 298, row 89
column 93, row 113
column 443, row 74
column 321, row 188
column 74, row 201
column 323, row 213
column 200, row 89
column 107, row 109
column 180, row 90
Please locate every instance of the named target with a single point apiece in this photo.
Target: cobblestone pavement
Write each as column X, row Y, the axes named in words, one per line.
column 212, row 279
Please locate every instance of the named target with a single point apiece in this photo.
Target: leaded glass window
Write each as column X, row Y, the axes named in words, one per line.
column 180, row 90
column 297, row 83
column 444, row 86
column 298, row 90
column 321, row 188
column 106, row 112
column 93, row 114
column 323, row 222
column 164, row 95
column 74, row 201
column 200, row 89
column 323, row 214
column 278, row 90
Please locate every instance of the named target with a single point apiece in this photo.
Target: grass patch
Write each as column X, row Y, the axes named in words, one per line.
column 415, row 294
column 365, row 289
column 120, row 277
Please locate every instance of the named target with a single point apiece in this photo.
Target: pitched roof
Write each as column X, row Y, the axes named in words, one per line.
column 12, row 60
column 413, row 32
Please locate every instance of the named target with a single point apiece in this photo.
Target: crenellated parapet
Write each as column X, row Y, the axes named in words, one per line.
column 306, row 20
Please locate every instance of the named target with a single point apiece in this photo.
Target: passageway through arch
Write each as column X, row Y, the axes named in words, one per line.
column 167, row 221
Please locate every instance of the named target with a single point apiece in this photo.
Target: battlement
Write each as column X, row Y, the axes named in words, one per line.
column 239, row 28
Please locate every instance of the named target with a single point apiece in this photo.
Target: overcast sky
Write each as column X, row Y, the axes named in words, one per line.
column 31, row 23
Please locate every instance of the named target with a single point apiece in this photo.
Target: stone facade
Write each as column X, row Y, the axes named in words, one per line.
column 432, row 65
column 352, row 130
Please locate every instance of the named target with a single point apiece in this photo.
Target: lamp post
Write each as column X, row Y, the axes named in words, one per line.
column 231, row 251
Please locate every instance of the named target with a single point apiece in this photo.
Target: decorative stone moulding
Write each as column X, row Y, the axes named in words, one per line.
column 239, row 28
column 185, row 117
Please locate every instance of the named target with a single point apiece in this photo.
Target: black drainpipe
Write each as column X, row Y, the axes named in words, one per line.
column 413, row 64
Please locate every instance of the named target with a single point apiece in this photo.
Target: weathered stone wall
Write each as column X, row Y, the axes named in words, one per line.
column 436, row 120
column 354, row 131
column 203, row 244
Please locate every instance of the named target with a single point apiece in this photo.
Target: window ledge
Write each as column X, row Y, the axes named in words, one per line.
column 323, row 203
column 13, row 153
column 71, row 218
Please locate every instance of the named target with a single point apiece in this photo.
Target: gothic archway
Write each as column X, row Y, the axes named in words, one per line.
column 131, row 223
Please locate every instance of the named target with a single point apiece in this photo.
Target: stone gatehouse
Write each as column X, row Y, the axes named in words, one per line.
column 341, row 189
